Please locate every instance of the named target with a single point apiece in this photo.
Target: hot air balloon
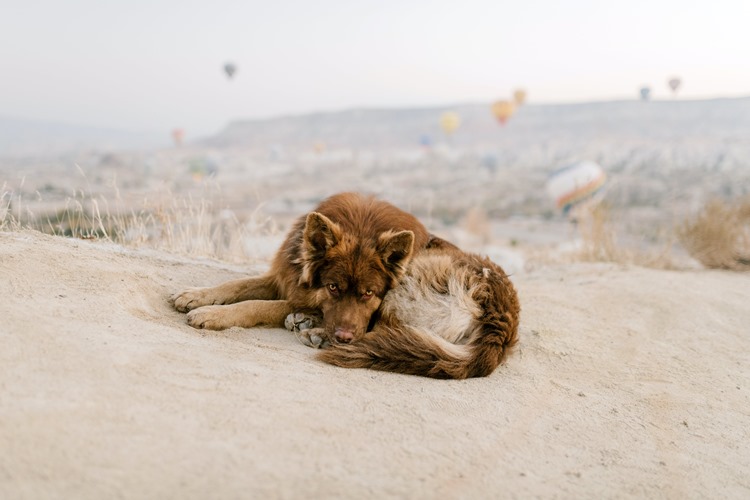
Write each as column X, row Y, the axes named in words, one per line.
column 489, row 161
column 201, row 168
column 230, row 69
column 576, row 184
column 449, row 122
column 519, row 97
column 177, row 136
column 503, row 110
column 674, row 84
column 645, row 93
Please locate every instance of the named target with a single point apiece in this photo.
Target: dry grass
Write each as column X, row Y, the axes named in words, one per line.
column 719, row 236
column 198, row 227
column 477, row 224
column 598, row 240
column 599, row 243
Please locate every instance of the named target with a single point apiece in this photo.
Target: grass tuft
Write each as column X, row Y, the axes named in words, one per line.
column 599, row 243
column 719, row 235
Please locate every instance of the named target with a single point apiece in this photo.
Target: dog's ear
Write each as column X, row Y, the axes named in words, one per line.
column 395, row 248
column 320, row 233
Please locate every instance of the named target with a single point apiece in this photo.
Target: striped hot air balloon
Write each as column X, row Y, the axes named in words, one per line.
column 575, row 184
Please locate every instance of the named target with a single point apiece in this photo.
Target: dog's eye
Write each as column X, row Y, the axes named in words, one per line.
column 367, row 294
column 333, row 288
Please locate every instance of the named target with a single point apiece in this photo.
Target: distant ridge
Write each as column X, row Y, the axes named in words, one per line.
column 23, row 137
column 388, row 128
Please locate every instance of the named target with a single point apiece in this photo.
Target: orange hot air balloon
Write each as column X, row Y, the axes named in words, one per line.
column 177, row 136
column 450, row 121
column 519, row 97
column 503, row 110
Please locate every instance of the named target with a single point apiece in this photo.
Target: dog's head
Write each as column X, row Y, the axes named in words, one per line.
column 350, row 275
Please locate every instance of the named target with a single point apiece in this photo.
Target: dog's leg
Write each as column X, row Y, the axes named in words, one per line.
column 246, row 314
column 258, row 288
column 306, row 326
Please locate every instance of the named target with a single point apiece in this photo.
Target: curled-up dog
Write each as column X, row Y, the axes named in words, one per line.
column 366, row 279
column 453, row 315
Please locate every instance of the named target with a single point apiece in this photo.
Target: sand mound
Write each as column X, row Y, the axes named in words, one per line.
column 626, row 381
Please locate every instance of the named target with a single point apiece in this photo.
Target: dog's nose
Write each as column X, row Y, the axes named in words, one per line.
column 343, row 334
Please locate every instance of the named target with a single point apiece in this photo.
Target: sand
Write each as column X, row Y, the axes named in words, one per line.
column 627, row 382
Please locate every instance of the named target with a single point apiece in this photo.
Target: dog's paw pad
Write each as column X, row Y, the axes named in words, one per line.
column 306, row 327
column 298, row 322
column 313, row 337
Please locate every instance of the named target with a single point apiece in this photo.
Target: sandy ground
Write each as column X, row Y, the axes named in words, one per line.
column 627, row 382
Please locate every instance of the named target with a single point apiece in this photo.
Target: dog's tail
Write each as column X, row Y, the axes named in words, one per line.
column 396, row 347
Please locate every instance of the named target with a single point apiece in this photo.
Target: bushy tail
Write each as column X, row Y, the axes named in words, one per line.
column 399, row 348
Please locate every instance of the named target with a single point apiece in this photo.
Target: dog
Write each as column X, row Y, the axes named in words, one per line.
column 368, row 281
column 454, row 315
column 335, row 266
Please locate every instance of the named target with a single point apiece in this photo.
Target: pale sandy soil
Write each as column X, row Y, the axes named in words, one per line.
column 627, row 382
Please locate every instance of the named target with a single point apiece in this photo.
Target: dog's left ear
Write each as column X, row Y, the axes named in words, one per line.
column 395, row 249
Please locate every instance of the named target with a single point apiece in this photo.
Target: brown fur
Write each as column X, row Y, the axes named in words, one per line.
column 478, row 326
column 357, row 243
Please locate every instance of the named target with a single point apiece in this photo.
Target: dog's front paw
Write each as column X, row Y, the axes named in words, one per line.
column 299, row 321
column 305, row 327
column 192, row 298
column 314, row 337
column 209, row 318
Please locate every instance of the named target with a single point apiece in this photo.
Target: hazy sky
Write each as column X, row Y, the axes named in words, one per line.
column 155, row 65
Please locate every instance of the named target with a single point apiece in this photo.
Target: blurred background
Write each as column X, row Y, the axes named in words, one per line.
column 530, row 131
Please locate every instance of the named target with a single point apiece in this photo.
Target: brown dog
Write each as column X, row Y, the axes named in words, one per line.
column 339, row 262
column 367, row 278
column 453, row 315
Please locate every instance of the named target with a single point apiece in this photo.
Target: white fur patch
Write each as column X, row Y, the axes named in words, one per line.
column 418, row 304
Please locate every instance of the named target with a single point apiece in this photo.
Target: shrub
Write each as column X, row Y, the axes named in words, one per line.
column 719, row 235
